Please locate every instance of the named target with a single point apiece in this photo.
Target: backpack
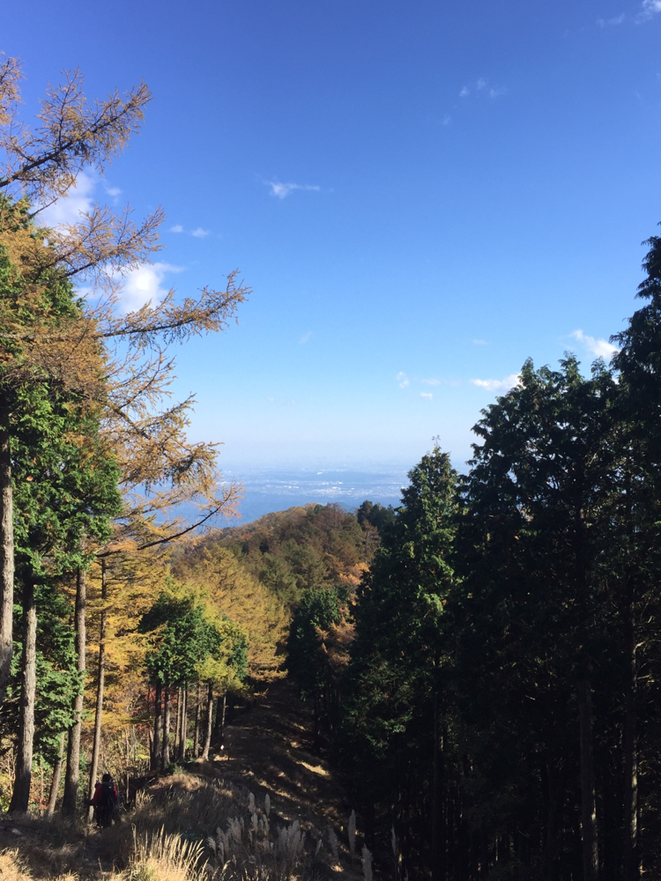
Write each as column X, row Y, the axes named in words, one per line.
column 107, row 798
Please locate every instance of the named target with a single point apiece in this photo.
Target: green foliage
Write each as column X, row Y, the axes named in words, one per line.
column 181, row 638
column 484, row 619
column 398, row 654
column 318, row 611
column 65, row 480
column 186, row 645
column 376, row 515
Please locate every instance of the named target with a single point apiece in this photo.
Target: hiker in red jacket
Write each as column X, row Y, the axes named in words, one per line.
column 104, row 801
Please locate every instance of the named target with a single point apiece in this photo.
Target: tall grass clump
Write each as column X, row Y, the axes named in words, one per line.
column 253, row 851
column 165, row 857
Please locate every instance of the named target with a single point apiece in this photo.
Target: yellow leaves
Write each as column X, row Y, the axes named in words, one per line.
column 353, row 576
column 73, row 133
column 232, row 591
column 10, row 74
column 218, row 672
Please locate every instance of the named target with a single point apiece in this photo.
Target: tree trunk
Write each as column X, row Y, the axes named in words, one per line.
column 209, row 726
column 588, row 803
column 196, row 733
column 221, row 715
column 552, row 777
column 55, row 782
column 96, row 748
column 72, row 777
column 158, row 728
column 184, row 724
column 6, row 553
column 165, row 748
column 23, row 777
column 177, row 726
column 631, row 859
column 437, row 825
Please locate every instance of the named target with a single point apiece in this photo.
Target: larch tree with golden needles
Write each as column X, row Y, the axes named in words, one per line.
column 116, row 362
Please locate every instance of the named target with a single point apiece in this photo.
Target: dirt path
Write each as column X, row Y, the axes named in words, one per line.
column 268, row 750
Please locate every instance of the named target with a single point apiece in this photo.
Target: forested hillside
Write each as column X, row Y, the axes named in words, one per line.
column 500, row 707
column 492, row 687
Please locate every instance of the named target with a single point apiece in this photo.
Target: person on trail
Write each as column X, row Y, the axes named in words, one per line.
column 104, row 801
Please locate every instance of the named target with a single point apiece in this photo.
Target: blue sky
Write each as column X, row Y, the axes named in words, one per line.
column 421, row 196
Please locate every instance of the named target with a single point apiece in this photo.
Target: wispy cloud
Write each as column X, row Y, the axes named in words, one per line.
column 610, row 22
column 305, row 338
column 498, row 385
column 479, row 342
column 427, row 395
column 431, row 381
column 282, row 190
column 482, row 85
column 649, row 9
column 113, row 192
column 447, row 119
column 144, row 285
column 600, row 348
column 402, row 379
column 198, row 233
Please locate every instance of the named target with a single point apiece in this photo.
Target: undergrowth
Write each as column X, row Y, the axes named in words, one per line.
column 186, row 828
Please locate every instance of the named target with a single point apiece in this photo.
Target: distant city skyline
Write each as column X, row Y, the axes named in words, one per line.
column 421, row 197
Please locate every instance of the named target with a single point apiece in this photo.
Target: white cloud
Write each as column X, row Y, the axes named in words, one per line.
column 498, row 385
column 482, row 85
column 200, row 233
column 143, row 285
column 447, row 119
column 600, row 348
column 427, row 395
column 79, row 200
column 113, row 192
column 177, row 228
column 431, row 381
column 649, row 9
column 283, row 190
column 67, row 209
column 479, row 342
column 402, row 379
column 606, row 22
column 305, row 338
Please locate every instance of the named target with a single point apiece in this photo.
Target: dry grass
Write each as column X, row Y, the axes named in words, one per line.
column 13, row 869
column 162, row 857
column 186, row 828
column 294, row 827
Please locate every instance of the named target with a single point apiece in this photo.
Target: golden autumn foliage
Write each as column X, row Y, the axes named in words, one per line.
column 230, row 588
